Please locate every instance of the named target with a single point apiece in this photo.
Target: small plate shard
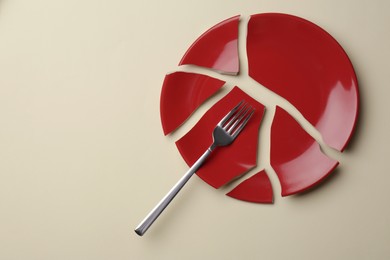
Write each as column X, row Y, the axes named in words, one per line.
column 257, row 189
column 182, row 93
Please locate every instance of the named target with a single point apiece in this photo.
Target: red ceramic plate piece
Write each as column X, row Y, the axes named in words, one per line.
column 182, row 93
column 302, row 63
column 256, row 189
column 231, row 161
column 217, row 48
column 295, row 156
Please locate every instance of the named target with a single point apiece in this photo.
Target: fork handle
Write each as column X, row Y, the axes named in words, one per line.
column 159, row 208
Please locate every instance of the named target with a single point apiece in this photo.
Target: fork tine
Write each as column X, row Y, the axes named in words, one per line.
column 237, row 119
column 229, row 115
column 238, row 114
column 243, row 123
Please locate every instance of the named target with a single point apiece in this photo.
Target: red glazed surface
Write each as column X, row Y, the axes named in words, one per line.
column 217, row 48
column 257, row 189
column 302, row 63
column 295, row 59
column 295, row 156
column 227, row 162
column 182, row 93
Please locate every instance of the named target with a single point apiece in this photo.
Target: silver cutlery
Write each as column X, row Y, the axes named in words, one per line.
column 225, row 132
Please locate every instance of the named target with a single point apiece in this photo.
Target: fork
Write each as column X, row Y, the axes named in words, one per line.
column 225, row 132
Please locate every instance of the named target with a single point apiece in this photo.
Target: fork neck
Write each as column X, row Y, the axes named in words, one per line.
column 212, row 147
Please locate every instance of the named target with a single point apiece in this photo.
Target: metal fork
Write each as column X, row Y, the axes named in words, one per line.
column 224, row 134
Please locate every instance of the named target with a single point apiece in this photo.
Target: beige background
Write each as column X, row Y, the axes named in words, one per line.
column 83, row 157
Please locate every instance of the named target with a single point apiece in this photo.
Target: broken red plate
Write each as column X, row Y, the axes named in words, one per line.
column 226, row 163
column 301, row 62
column 295, row 156
column 295, row 59
column 182, row 93
column 217, row 48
